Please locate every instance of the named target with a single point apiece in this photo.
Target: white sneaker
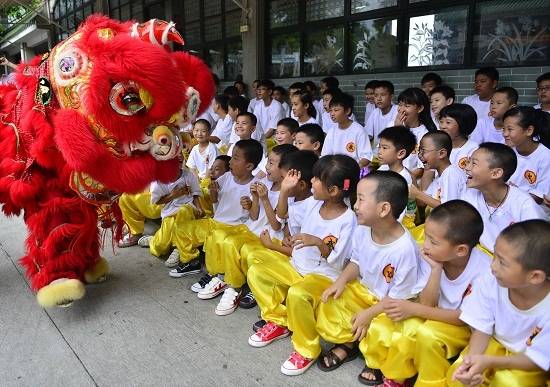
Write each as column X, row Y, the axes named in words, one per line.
column 145, row 240
column 200, row 284
column 229, row 302
column 173, row 259
column 212, row 289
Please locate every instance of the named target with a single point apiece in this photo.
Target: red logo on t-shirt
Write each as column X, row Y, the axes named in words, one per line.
column 530, row 176
column 330, row 241
column 467, row 292
column 388, row 272
column 350, row 147
column 534, row 333
column 463, row 162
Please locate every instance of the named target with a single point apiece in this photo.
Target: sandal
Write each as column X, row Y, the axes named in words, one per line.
column 333, row 360
column 379, row 377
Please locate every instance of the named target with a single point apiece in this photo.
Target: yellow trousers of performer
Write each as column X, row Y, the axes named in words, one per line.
column 136, row 208
column 500, row 378
column 189, row 235
column 163, row 239
column 204, row 200
column 436, row 342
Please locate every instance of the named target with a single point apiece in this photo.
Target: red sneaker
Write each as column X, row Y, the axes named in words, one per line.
column 267, row 334
column 393, row 383
column 296, row 364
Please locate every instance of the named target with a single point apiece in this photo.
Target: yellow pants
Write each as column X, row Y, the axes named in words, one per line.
column 500, row 378
column 270, row 143
column 190, row 234
column 163, row 239
column 136, row 208
column 436, row 342
column 204, row 200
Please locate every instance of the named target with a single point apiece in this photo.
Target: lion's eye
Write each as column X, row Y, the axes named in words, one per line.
column 125, row 98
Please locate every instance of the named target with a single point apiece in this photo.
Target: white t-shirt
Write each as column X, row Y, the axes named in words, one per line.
column 453, row 292
column 261, row 167
column 377, row 122
column 396, row 269
column 311, row 120
column 352, row 142
column 268, row 116
column 481, row 107
column 517, row 206
column 485, row 131
column 252, row 104
column 318, row 104
column 489, row 310
column 158, row 190
column 449, row 185
column 202, row 161
column 229, row 210
column 369, row 108
column 532, row 174
column 257, row 135
column 460, row 156
column 262, row 223
column 223, row 130
column 326, row 122
column 296, row 213
column 412, row 161
column 335, row 232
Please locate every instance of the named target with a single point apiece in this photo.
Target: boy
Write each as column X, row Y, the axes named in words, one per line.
column 222, row 132
column 346, row 137
column 485, row 83
column 135, row 209
column 387, row 260
column 450, row 180
column 268, row 111
column 286, row 131
column 499, row 203
column 543, row 92
column 254, row 101
column 508, row 313
column 384, row 114
column 280, row 94
column 369, row 99
column 310, row 137
column 203, row 154
column 429, row 82
column 326, row 121
column 236, row 106
column 228, row 192
column 219, row 167
column 440, row 97
column 245, row 125
column 489, row 129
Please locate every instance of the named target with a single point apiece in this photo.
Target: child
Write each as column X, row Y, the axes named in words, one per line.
column 269, row 111
column 499, row 203
column 311, row 89
column 327, row 122
column 236, row 106
column 228, row 192
column 296, row 87
column 508, row 313
column 310, row 137
column 181, row 201
column 450, row 181
column 254, row 101
column 485, row 83
column 288, row 291
column 429, row 82
column 543, row 92
column 440, row 97
column 384, row 114
column 222, row 132
column 241, row 88
column 135, row 209
column 386, row 261
column 245, row 125
column 285, row 132
column 459, row 121
column 527, row 131
column 329, row 83
column 347, row 137
column 219, row 167
column 302, row 109
column 489, row 129
column 369, row 99
column 280, row 94
column 203, row 154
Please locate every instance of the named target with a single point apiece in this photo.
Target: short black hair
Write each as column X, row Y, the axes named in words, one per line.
column 222, row 100
column 281, row 90
column 489, row 72
column 311, row 85
column 464, row 115
column 283, row 149
column 391, row 188
column 501, row 156
column 302, row 161
column 432, row 77
column 297, row 85
column 543, row 77
column 371, row 84
column 447, row 91
column 401, row 138
column 314, row 132
column 267, row 83
column 238, row 82
column 230, row 91
column 537, row 118
column 463, row 222
column 338, row 170
column 204, row 122
column 332, row 92
column 386, row 85
column 289, row 123
column 253, row 118
column 511, row 94
column 331, row 82
column 225, row 159
column 533, row 237
column 441, row 140
column 239, row 103
column 342, row 99
column 252, row 150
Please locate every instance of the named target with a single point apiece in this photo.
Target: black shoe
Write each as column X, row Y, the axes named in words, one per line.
column 198, row 286
column 185, row 269
column 248, row 301
column 258, row 325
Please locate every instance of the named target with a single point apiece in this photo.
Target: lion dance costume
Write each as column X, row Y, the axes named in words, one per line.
column 95, row 117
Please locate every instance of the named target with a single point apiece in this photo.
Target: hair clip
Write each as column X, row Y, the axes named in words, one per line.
column 346, row 184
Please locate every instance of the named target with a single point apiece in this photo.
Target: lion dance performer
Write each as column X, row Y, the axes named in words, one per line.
column 95, row 117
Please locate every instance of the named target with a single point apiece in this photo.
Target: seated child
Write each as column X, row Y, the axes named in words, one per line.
column 245, row 124
column 498, row 203
column 219, row 167
column 346, row 137
column 543, row 92
column 227, row 191
column 236, row 106
column 310, row 137
column 222, row 132
column 288, row 291
column 286, row 131
column 303, row 110
column 508, row 314
column 386, row 259
column 203, row 154
column 440, row 97
column 384, row 114
column 459, row 121
column 135, row 209
column 429, row 82
column 280, row 95
column 489, row 129
column 369, row 99
column 327, row 122
column 485, row 83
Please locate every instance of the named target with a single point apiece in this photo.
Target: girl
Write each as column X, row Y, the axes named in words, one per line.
column 288, row 292
column 413, row 112
column 459, row 121
column 527, row 130
column 302, row 109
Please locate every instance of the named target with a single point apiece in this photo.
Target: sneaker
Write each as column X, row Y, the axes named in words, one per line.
column 267, row 334
column 258, row 325
column 198, row 286
column 128, row 240
column 145, row 240
column 296, row 364
column 173, row 259
column 229, row 302
column 185, row 269
column 248, row 301
column 212, row 289
column 393, row 383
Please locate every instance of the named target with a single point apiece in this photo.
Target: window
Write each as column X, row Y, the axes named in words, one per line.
column 69, row 14
column 285, row 56
column 374, row 44
column 324, row 53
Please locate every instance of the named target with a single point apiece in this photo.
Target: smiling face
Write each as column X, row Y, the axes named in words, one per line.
column 428, row 86
column 283, row 135
column 411, row 112
column 273, row 171
column 366, row 207
column 244, row 127
column 218, row 169
column 318, row 189
column 200, row 132
column 514, row 134
column 438, row 102
column 428, row 153
column 479, row 171
column 449, row 126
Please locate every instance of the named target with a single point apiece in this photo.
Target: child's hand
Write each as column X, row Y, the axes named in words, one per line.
column 413, row 191
column 433, row 264
column 254, row 191
column 471, row 370
column 246, row 203
column 265, row 238
column 291, row 180
column 213, row 186
column 360, row 324
column 400, row 118
column 261, row 190
column 302, row 240
column 287, row 241
column 180, row 191
column 335, row 290
column 199, row 212
column 398, row 310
